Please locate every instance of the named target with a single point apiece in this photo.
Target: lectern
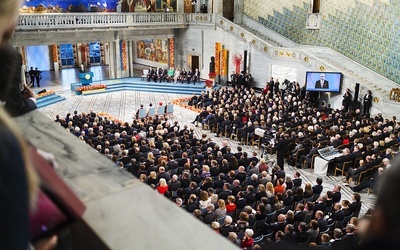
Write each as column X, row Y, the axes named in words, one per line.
column 86, row 78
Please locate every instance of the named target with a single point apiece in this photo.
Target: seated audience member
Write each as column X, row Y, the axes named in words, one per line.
column 370, row 183
column 383, row 231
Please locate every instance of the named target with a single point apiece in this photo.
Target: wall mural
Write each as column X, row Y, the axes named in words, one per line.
column 59, row 6
column 155, row 50
column 62, row 6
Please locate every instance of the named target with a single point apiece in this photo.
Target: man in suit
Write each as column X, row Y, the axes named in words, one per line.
column 322, row 223
column 249, row 196
column 31, row 74
column 281, row 147
column 16, row 102
column 225, row 192
column 337, row 214
column 336, row 193
column 322, row 83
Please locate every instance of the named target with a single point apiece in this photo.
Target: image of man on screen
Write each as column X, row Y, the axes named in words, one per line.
column 322, row 83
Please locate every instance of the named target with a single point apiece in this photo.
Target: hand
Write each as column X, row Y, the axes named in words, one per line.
column 46, row 243
column 27, row 92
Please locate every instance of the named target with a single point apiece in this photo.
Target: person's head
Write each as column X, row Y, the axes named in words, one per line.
column 228, row 220
column 232, row 236
column 221, row 204
column 279, row 235
column 319, row 181
column 8, row 18
column 325, row 238
column 337, row 233
column 322, row 76
column 249, row 232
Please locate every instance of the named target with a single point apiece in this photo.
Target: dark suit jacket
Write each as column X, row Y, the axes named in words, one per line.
column 13, row 193
column 323, row 224
column 10, row 91
column 325, row 85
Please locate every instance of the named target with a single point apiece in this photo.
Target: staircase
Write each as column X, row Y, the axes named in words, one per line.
column 49, row 99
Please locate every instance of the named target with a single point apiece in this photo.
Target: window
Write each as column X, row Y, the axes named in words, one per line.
column 67, row 55
column 94, row 52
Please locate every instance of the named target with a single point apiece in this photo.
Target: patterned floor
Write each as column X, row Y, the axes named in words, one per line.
column 123, row 105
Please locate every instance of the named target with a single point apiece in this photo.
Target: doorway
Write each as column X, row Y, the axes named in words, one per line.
column 195, row 62
column 228, row 9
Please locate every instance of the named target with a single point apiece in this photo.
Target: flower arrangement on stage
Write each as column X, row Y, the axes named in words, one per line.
column 237, row 60
column 91, row 87
column 51, row 92
column 209, row 83
column 109, row 117
column 182, row 102
column 212, row 75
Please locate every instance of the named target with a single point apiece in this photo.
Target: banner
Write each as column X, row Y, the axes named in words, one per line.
column 217, row 58
column 224, row 62
column 123, row 54
column 171, row 53
column 54, row 52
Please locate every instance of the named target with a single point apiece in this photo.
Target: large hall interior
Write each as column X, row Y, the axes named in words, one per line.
column 279, row 83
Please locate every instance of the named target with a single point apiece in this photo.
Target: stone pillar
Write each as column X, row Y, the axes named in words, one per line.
column 130, row 56
column 180, row 6
column 218, row 6
column 113, row 59
column 23, row 67
column 117, row 62
column 238, row 11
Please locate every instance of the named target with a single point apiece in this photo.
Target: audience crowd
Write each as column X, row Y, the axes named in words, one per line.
column 253, row 203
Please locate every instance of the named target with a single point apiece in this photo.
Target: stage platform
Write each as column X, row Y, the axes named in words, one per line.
column 138, row 84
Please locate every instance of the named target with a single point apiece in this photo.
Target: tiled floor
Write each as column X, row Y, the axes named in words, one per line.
column 123, row 105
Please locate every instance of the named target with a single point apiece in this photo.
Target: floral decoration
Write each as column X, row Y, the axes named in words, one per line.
column 91, row 87
column 123, row 52
column 54, row 52
column 51, row 92
column 109, row 117
column 237, row 60
column 182, row 102
column 209, row 83
column 171, row 53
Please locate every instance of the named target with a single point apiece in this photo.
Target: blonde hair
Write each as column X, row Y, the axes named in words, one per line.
column 9, row 10
column 270, row 187
column 31, row 175
column 221, row 204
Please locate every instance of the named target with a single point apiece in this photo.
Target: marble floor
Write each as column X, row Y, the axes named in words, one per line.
column 123, row 105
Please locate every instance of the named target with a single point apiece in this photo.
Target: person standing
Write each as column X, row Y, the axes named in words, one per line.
column 367, row 103
column 346, row 100
column 151, row 7
column 38, row 76
column 31, row 73
column 281, row 147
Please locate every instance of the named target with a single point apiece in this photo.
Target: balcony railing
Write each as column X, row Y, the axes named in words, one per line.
column 105, row 20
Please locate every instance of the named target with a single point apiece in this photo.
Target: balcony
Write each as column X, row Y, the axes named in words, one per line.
column 84, row 21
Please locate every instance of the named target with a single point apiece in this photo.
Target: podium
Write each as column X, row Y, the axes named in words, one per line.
column 86, row 78
column 320, row 166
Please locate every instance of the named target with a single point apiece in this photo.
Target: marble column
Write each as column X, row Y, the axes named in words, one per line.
column 115, row 60
column 180, row 6
column 130, row 49
column 218, row 7
column 23, row 68
column 238, row 11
